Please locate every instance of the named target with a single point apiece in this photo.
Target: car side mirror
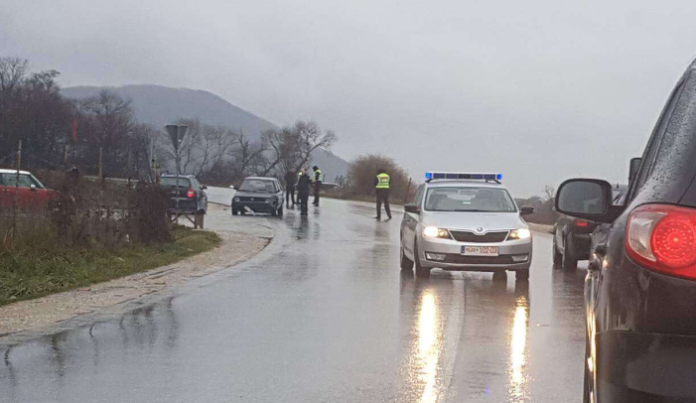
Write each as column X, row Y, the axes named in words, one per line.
column 589, row 199
column 412, row 208
column 526, row 210
column 33, row 187
column 232, row 187
column 204, row 187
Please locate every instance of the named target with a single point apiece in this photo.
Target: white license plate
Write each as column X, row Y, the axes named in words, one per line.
column 480, row 250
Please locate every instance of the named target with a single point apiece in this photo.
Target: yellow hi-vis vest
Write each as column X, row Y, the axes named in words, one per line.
column 382, row 181
column 321, row 177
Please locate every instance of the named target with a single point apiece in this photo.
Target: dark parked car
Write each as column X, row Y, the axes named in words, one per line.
column 189, row 193
column 640, row 290
column 571, row 241
column 260, row 195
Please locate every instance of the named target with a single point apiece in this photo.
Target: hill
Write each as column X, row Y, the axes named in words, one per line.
column 158, row 106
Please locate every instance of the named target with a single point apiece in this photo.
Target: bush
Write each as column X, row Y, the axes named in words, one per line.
column 88, row 213
column 362, row 173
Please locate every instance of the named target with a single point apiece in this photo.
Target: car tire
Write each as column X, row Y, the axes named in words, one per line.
column 406, row 263
column 522, row 275
column 421, row 271
column 568, row 261
column 557, row 256
column 280, row 212
column 235, row 212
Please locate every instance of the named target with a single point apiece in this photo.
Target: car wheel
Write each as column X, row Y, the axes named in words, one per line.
column 557, row 257
column 234, row 212
column 568, row 261
column 522, row 275
column 406, row 263
column 421, row 271
column 280, row 212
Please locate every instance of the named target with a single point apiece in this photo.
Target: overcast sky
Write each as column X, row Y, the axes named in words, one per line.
column 540, row 90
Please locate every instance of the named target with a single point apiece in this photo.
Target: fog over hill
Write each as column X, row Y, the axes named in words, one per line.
column 158, row 106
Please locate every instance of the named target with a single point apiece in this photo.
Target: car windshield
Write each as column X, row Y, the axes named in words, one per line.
column 469, row 199
column 257, row 185
column 170, row 182
column 25, row 181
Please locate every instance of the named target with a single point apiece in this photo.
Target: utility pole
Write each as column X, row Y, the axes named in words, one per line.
column 177, row 134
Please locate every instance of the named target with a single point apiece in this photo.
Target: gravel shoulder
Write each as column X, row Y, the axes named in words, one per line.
column 45, row 315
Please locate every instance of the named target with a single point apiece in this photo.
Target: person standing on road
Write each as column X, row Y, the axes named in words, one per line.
column 303, row 185
column 382, row 184
column 290, row 180
column 317, row 179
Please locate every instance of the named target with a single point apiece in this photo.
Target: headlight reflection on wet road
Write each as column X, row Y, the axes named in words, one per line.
column 518, row 344
column 428, row 354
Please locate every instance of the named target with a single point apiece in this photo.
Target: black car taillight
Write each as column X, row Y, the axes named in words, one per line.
column 191, row 193
column 581, row 223
column 663, row 238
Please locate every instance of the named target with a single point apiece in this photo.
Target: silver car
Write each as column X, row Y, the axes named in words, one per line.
column 465, row 225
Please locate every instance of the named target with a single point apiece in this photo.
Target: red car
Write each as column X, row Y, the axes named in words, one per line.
column 28, row 191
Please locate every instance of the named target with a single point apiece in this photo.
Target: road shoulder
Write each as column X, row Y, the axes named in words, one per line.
column 26, row 320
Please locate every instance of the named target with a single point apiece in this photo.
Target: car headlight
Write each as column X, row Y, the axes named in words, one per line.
column 431, row 231
column 520, row 233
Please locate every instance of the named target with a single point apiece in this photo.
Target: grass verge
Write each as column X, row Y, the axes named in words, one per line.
column 27, row 274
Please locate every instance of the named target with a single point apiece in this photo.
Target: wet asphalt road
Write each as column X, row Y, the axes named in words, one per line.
column 323, row 314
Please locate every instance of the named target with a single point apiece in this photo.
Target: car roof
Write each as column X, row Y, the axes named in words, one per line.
column 13, row 171
column 463, row 184
column 261, row 178
column 180, row 176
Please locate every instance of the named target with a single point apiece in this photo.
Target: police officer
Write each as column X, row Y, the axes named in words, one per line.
column 290, row 180
column 317, row 179
column 382, row 183
column 303, row 184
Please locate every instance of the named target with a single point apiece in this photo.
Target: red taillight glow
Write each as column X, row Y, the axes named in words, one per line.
column 663, row 238
column 582, row 223
column 191, row 193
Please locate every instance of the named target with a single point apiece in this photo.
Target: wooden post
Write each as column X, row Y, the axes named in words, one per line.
column 408, row 188
column 65, row 156
column 16, row 195
column 101, row 166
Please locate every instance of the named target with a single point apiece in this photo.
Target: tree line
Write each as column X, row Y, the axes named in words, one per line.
column 101, row 134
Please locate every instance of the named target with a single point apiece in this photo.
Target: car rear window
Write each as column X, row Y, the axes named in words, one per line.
column 170, row 182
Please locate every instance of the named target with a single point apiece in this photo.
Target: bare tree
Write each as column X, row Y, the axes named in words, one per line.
column 12, row 72
column 309, row 138
column 549, row 192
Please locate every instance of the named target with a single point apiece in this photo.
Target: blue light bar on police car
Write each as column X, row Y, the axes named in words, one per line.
column 464, row 175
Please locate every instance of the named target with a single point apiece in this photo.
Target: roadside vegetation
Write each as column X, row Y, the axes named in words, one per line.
column 47, row 266
column 89, row 231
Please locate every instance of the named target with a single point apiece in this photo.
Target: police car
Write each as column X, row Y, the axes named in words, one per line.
column 465, row 222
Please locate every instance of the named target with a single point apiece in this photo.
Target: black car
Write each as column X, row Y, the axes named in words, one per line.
column 640, row 290
column 259, row 195
column 189, row 193
column 571, row 240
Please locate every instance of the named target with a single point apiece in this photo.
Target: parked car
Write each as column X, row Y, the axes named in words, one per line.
column 571, row 240
column 189, row 193
column 640, row 290
column 24, row 189
column 259, row 195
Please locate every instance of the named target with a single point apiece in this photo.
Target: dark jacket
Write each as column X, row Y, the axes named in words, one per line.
column 290, row 179
column 303, row 184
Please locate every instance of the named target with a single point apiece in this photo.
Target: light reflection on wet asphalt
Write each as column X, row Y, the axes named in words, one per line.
column 323, row 314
